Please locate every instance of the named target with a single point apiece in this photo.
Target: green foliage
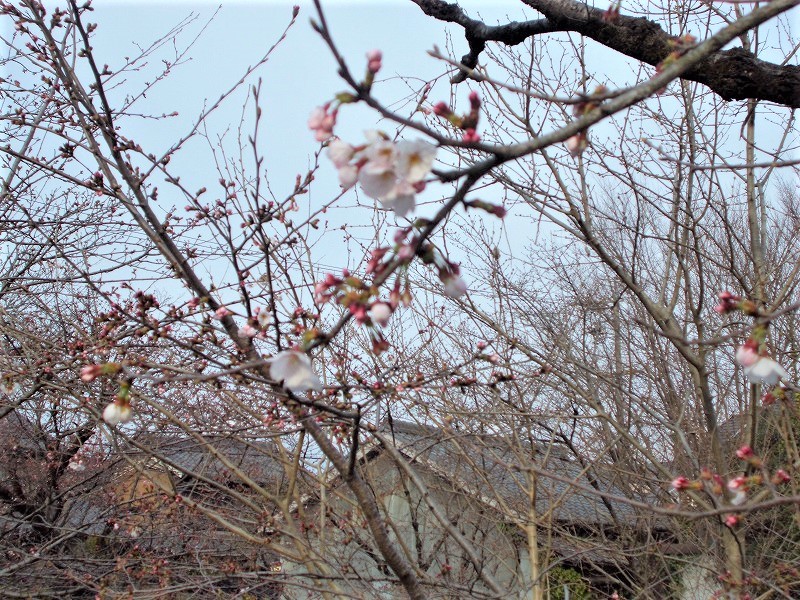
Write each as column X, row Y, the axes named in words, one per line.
column 558, row 577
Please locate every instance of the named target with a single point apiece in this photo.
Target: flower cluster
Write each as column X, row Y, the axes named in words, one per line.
column 356, row 296
column 468, row 123
column 752, row 355
column 390, row 172
column 322, row 122
column 735, row 489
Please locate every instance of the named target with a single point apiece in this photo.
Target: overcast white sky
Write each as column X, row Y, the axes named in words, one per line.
column 299, row 76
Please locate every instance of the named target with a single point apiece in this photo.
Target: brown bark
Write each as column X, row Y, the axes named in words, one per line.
column 734, row 74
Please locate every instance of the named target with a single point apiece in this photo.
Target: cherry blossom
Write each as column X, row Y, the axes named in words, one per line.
column 414, row 160
column 577, row 144
column 340, row 153
column 391, row 173
column 454, row 286
column 248, row 330
column 765, row 371
column 116, row 413
column 293, row 369
column 380, row 313
column 321, row 122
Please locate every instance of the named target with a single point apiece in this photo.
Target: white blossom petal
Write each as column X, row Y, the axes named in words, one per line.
column 114, row 414
column 455, row 287
column 415, row 160
column 377, row 184
column 766, row 371
column 293, row 368
column 340, row 153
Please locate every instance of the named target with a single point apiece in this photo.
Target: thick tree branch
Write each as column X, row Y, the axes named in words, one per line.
column 734, row 74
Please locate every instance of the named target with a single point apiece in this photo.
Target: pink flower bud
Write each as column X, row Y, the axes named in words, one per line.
column 222, row 312
column 727, row 302
column 474, row 100
column 248, row 330
column 380, row 313
column 441, row 109
column 374, row 58
column 471, row 136
column 732, row 520
column 577, row 144
column 454, row 286
column 781, row 476
column 405, row 253
column 737, row 482
column 359, row 312
column 90, row 372
column 744, row 452
column 747, row 354
column 681, row 483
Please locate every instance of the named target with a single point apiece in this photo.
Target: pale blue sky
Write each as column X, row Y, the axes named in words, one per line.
column 299, row 76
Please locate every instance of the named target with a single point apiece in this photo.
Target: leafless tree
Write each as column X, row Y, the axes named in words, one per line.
column 576, row 418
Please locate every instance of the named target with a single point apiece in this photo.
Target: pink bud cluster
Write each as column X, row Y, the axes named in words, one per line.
column 322, row 122
column 729, row 302
column 468, row 123
column 734, row 489
column 255, row 326
column 356, row 296
column 682, row 483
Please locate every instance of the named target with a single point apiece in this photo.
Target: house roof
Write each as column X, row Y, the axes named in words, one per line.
column 497, row 471
column 259, row 460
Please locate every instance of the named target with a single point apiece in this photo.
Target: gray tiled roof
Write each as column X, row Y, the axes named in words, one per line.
column 496, row 470
column 258, row 460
